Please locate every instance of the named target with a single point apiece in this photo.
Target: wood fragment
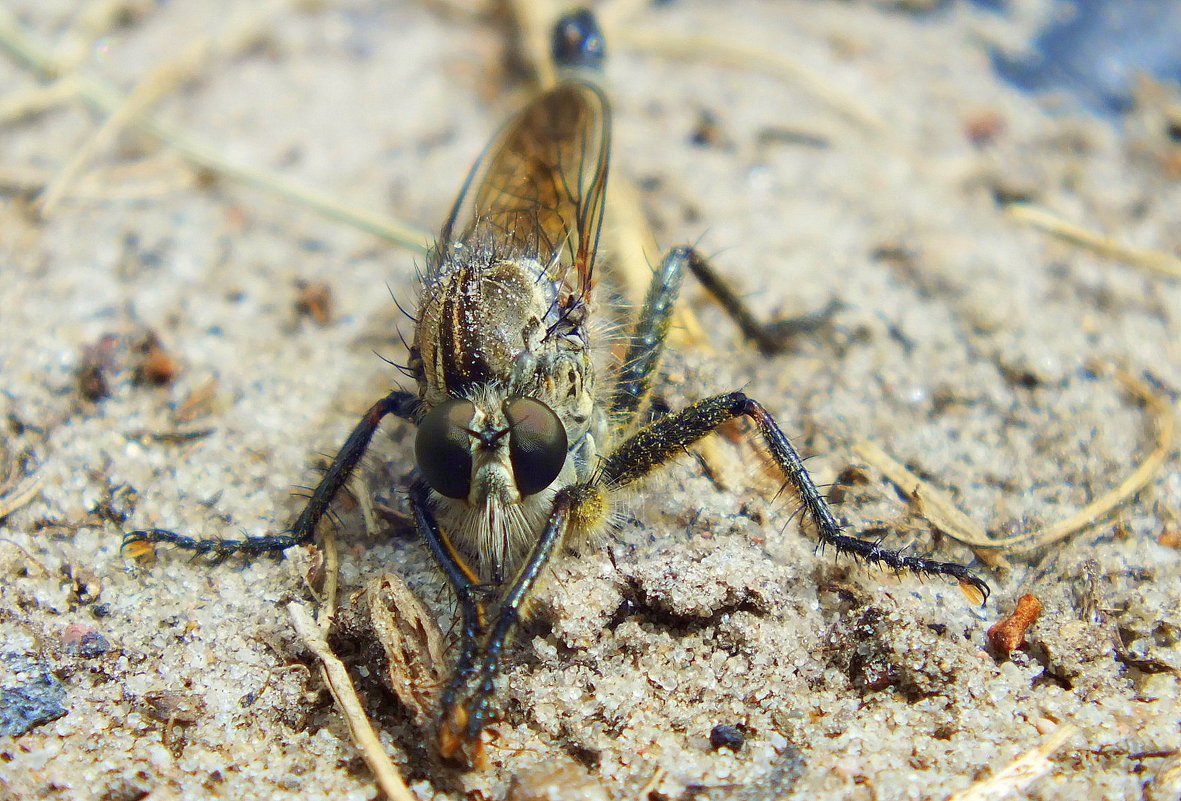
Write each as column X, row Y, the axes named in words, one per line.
column 197, row 403
column 156, row 365
column 331, row 567
column 314, row 299
column 413, row 646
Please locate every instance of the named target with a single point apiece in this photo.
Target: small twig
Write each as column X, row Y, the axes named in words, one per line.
column 1019, row 773
column 337, row 678
column 1044, row 220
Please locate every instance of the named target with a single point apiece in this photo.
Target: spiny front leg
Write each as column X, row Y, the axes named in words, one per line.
column 665, row 438
column 402, row 404
column 464, row 584
column 468, row 702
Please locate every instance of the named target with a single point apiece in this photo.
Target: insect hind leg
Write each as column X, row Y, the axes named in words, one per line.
column 648, row 336
column 770, row 338
column 303, row 532
column 646, row 345
column 668, row 436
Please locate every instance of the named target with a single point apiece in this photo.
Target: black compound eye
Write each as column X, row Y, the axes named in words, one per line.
column 536, row 445
column 443, row 448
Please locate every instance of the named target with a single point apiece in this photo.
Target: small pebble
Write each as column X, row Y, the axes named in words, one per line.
column 726, row 736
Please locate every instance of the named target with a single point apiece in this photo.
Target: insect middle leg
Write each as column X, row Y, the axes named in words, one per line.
column 770, row 338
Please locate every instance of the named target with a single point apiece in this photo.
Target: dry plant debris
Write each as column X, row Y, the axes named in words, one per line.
column 1019, row 773
column 937, row 507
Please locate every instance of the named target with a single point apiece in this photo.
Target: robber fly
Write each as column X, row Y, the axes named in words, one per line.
column 519, row 449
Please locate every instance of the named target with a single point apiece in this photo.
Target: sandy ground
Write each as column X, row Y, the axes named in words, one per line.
column 979, row 352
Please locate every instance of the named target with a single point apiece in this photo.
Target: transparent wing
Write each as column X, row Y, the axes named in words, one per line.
column 538, row 190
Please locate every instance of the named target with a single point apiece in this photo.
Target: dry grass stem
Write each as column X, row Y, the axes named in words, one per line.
column 1044, row 220
column 35, row 100
column 338, row 681
column 155, row 85
column 933, row 504
column 106, row 99
column 1019, row 773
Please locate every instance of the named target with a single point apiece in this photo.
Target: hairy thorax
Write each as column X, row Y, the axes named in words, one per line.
column 489, row 330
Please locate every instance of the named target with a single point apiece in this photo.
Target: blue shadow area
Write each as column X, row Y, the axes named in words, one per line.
column 1095, row 48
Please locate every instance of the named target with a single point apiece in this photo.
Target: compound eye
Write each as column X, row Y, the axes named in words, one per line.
column 443, row 448
column 537, row 444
